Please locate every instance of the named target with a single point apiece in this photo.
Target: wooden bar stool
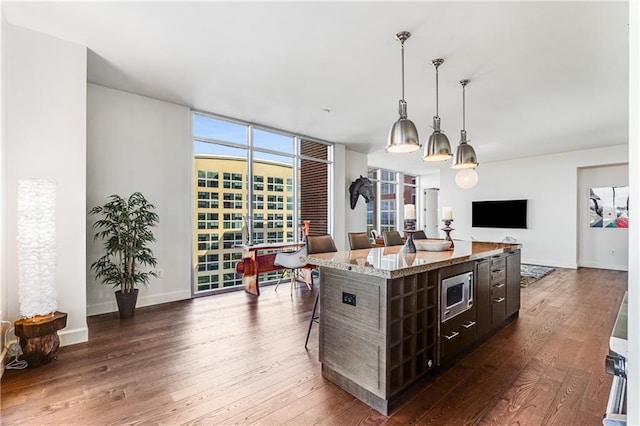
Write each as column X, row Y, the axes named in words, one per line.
column 318, row 244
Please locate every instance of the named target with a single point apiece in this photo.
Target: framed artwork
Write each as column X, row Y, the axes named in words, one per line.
column 609, row 207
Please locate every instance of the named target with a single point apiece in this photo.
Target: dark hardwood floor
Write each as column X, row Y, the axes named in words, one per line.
column 234, row 358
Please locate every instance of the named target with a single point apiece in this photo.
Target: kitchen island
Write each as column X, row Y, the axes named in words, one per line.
column 390, row 319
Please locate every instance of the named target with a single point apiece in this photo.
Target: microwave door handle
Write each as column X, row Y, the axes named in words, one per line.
column 470, row 289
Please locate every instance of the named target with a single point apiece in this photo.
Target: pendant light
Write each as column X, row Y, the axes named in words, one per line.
column 465, row 156
column 438, row 148
column 466, row 178
column 403, row 136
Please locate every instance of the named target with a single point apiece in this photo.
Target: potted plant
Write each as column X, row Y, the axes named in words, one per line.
column 125, row 227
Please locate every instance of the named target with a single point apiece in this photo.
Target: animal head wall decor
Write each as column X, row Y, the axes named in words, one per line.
column 361, row 186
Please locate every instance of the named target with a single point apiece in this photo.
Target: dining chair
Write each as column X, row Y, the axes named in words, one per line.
column 291, row 262
column 374, row 234
column 359, row 240
column 318, row 244
column 392, row 238
column 420, row 235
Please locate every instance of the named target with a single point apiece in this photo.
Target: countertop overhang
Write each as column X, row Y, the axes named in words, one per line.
column 393, row 262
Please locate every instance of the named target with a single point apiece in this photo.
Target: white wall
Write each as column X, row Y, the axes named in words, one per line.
column 356, row 219
column 45, row 138
column 339, row 224
column 604, row 248
column 549, row 183
column 3, row 180
column 430, row 180
column 134, row 144
column 634, row 227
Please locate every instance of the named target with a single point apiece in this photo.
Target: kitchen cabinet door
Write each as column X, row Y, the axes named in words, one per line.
column 513, row 283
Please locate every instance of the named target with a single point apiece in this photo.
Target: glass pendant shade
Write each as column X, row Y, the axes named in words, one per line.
column 466, row 178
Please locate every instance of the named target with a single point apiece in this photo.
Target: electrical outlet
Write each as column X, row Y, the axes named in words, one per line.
column 348, row 298
column 160, row 273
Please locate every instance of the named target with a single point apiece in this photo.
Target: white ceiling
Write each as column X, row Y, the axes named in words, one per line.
column 545, row 76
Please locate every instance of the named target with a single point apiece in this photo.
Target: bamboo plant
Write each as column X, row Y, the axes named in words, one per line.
column 125, row 227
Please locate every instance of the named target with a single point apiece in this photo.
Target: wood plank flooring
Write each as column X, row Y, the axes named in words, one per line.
column 237, row 359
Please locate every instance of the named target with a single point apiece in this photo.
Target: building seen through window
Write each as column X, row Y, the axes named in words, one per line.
column 262, row 200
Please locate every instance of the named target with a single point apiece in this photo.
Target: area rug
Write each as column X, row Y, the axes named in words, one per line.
column 532, row 273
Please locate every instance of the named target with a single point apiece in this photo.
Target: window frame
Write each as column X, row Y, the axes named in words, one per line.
column 251, row 186
column 376, row 175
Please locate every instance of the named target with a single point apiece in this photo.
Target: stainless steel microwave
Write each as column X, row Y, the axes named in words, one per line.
column 457, row 295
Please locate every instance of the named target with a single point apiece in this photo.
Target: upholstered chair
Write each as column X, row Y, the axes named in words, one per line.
column 392, row 238
column 359, row 240
column 320, row 244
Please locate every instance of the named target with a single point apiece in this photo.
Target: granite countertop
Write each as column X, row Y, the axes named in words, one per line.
column 392, row 262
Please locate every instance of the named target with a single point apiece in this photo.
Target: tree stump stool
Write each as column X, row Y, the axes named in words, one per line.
column 39, row 337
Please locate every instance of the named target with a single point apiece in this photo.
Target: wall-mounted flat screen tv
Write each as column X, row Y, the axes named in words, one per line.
column 499, row 214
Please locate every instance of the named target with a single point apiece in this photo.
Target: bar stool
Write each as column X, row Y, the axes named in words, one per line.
column 318, row 244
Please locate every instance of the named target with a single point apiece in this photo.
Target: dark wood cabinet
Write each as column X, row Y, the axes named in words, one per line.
column 512, row 282
column 498, row 290
column 483, row 296
column 496, row 298
column 458, row 334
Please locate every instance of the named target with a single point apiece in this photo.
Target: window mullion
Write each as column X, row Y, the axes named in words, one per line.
column 249, row 220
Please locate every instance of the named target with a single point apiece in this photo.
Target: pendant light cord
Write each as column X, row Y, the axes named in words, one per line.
column 437, row 113
column 402, row 50
column 463, row 108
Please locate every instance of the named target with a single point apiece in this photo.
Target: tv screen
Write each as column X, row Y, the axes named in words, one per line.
column 499, row 214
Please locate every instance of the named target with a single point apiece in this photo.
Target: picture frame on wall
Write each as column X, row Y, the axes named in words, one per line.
column 609, row 207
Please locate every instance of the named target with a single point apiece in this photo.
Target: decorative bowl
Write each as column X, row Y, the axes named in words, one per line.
column 432, row 245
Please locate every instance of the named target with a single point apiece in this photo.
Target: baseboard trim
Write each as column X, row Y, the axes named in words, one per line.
column 73, row 336
column 549, row 262
column 604, row 266
column 148, row 300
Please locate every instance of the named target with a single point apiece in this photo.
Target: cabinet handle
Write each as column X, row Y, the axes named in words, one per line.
column 469, row 324
column 500, row 300
column 451, row 336
column 499, row 285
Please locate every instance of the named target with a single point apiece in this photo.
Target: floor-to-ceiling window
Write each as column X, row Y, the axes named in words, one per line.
column 392, row 190
column 252, row 185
